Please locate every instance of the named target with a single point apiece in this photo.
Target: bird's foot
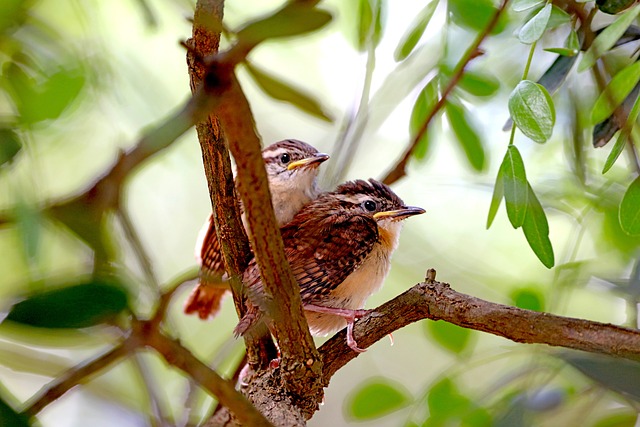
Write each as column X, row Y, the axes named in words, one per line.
column 347, row 314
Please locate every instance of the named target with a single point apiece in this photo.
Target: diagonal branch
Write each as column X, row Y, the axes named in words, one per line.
column 399, row 170
column 179, row 357
column 437, row 301
column 75, row 376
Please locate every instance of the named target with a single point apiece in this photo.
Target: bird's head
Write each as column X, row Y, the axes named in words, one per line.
column 292, row 163
column 376, row 200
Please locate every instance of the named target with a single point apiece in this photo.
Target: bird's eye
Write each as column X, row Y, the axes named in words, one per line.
column 285, row 158
column 370, row 205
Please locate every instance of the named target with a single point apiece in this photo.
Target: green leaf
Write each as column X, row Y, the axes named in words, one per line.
column 514, row 180
column 369, row 23
column 9, row 416
column 607, row 38
column 613, row 7
column 413, row 34
column 10, row 145
column 478, row 84
column 445, row 401
column 12, row 13
column 534, row 28
column 293, row 19
column 624, row 419
column 616, row 91
column 38, row 101
column 466, row 135
column 529, row 299
column 614, row 373
column 573, row 42
column 496, row 198
column 75, row 306
column 520, row 5
column 376, row 398
column 536, row 230
column 85, row 218
column 614, row 153
column 475, row 14
column 562, row 51
column 629, row 214
column 29, row 219
column 558, row 17
column 532, row 110
column 571, row 46
column 450, row 337
column 622, row 137
column 423, row 106
column 282, row 91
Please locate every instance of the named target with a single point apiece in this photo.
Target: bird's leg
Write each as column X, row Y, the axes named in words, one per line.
column 347, row 314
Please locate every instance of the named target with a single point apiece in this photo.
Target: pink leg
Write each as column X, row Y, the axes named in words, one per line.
column 349, row 315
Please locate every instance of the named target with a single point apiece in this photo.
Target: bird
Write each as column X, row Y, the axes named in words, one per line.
column 339, row 248
column 292, row 171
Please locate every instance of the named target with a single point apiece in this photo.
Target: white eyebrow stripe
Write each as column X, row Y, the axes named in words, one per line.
column 353, row 198
column 276, row 153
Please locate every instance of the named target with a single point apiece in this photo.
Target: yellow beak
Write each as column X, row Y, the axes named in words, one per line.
column 309, row 161
column 399, row 214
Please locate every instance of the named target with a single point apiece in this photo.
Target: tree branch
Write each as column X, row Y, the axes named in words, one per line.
column 179, row 357
column 74, row 376
column 437, row 301
column 299, row 355
column 217, row 167
column 300, row 359
column 399, row 170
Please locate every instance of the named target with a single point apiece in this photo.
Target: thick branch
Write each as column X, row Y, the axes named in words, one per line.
column 437, row 301
column 302, row 375
column 299, row 355
column 399, row 170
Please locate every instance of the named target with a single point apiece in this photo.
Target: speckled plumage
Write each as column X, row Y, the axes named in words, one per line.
column 339, row 252
column 291, row 188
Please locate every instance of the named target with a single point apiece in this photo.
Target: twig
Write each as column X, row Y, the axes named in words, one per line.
column 178, row 356
column 74, row 376
column 437, row 301
column 158, row 411
column 138, row 249
column 167, row 295
column 399, row 170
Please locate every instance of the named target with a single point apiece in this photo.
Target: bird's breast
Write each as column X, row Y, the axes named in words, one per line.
column 353, row 292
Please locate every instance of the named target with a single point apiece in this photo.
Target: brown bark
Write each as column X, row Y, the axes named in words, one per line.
column 437, row 301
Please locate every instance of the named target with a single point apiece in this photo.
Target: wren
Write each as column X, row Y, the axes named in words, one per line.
column 339, row 247
column 292, row 170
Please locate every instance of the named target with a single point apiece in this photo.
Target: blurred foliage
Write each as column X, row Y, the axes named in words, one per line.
column 53, row 81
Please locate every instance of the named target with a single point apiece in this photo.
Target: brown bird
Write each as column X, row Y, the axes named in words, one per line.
column 292, row 169
column 339, row 248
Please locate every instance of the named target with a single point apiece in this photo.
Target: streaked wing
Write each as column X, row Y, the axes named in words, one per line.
column 330, row 255
column 211, row 253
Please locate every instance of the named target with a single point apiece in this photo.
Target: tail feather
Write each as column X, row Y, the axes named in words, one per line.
column 205, row 300
column 250, row 319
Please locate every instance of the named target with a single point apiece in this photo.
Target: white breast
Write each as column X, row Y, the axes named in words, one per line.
column 353, row 292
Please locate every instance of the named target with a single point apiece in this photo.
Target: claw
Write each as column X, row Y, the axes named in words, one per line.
column 347, row 314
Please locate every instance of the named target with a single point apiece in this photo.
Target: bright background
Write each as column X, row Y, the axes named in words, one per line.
column 135, row 75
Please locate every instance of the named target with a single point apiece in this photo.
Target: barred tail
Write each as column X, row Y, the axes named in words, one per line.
column 205, row 300
column 250, row 319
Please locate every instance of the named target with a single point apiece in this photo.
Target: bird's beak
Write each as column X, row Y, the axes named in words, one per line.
column 312, row 161
column 399, row 214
